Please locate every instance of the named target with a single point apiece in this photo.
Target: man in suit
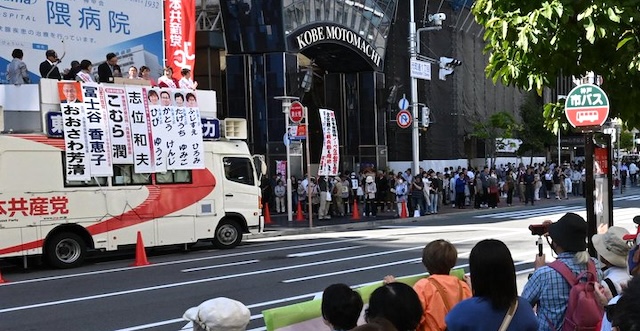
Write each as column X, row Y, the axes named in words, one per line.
column 70, row 93
column 49, row 67
column 109, row 69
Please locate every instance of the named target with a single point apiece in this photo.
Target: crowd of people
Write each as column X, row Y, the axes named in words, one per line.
column 557, row 296
column 428, row 192
column 82, row 71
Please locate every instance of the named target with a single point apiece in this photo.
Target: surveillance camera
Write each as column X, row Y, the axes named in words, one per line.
column 437, row 18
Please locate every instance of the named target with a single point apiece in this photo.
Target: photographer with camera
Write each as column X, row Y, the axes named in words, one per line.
column 547, row 288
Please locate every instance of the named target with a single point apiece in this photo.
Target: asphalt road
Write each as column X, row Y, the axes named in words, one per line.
column 263, row 273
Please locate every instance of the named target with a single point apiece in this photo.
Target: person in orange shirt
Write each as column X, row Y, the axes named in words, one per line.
column 439, row 292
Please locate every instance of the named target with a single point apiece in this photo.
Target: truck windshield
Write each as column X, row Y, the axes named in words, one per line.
column 238, row 169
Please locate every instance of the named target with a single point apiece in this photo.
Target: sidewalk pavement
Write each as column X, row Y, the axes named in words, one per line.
column 281, row 226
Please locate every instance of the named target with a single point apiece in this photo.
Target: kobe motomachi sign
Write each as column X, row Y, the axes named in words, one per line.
column 330, row 32
column 587, row 105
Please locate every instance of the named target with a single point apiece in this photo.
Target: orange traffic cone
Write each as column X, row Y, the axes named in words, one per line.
column 356, row 213
column 403, row 213
column 299, row 213
column 267, row 214
column 2, row 280
column 141, row 254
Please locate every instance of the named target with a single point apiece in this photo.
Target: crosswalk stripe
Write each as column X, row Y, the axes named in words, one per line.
column 528, row 212
column 633, row 197
column 531, row 212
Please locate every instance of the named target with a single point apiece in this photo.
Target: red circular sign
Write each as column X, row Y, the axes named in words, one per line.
column 296, row 112
column 404, row 119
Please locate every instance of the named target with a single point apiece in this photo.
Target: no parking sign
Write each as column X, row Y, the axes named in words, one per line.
column 404, row 119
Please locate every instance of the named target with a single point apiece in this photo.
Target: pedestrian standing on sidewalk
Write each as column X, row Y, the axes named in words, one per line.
column 417, row 195
column 280, row 191
column 461, row 187
column 338, row 204
column 529, row 182
column 370, row 191
column 401, row 195
column 325, row 199
column 509, row 186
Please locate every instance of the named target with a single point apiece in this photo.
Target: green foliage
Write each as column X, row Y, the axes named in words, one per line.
column 498, row 125
column 534, row 135
column 626, row 140
column 531, row 43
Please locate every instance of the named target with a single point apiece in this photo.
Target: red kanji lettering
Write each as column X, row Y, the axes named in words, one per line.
column 18, row 205
column 2, row 211
column 39, row 206
column 59, row 205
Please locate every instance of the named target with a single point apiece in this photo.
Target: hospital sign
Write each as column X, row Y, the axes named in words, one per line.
column 587, row 105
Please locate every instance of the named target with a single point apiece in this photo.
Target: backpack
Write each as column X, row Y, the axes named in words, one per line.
column 583, row 310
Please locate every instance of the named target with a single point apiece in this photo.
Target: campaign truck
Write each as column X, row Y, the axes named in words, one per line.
column 115, row 160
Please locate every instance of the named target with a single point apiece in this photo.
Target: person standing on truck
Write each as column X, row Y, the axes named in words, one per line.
column 17, row 73
column 280, row 192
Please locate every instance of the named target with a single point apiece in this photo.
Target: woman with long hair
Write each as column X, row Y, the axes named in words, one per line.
column 495, row 304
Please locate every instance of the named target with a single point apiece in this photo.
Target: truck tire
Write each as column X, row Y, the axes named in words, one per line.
column 65, row 250
column 228, row 234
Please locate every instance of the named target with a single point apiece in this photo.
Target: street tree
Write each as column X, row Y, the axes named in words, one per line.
column 499, row 125
column 531, row 43
column 534, row 135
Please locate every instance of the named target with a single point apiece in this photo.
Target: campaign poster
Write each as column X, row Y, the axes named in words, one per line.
column 141, row 135
column 97, row 131
column 119, row 124
column 77, row 166
column 77, row 30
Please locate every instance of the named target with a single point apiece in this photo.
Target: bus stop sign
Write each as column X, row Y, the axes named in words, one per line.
column 586, row 105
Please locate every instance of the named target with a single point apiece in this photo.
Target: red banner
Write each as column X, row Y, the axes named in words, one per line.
column 180, row 34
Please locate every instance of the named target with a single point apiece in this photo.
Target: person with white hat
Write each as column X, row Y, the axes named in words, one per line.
column 219, row 314
column 613, row 251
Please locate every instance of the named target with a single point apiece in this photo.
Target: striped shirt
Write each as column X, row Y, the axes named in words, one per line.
column 550, row 291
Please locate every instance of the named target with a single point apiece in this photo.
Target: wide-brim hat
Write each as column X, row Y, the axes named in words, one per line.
column 369, row 179
column 570, row 232
column 611, row 246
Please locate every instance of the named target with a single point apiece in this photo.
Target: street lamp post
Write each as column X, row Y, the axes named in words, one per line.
column 414, row 47
column 286, row 107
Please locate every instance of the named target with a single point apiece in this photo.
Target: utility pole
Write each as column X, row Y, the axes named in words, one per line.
column 415, row 142
column 414, row 48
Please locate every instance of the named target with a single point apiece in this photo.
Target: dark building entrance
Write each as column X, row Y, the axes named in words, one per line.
column 328, row 53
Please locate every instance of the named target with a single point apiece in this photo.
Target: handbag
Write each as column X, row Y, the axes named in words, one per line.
column 328, row 196
column 507, row 318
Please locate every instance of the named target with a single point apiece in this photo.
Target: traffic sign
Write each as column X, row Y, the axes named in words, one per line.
column 403, row 104
column 296, row 112
column 586, row 105
column 404, row 119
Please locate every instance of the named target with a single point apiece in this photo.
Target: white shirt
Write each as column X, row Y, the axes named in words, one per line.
column 633, row 169
column 186, row 83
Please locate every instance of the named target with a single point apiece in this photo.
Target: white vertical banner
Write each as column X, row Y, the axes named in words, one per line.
column 330, row 158
column 195, row 139
column 75, row 142
column 97, row 124
column 143, row 157
column 180, row 151
column 119, row 125
column 158, row 129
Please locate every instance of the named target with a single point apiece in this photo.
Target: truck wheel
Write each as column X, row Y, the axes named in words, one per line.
column 65, row 250
column 228, row 234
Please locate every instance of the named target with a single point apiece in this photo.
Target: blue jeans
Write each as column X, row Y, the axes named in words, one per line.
column 433, row 208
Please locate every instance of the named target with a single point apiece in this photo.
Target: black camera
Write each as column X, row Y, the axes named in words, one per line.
column 539, row 229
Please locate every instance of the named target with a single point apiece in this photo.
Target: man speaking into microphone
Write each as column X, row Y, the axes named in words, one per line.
column 49, row 67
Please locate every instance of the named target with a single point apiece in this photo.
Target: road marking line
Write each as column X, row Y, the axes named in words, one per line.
column 526, row 212
column 305, row 254
column 219, row 266
column 98, row 272
column 341, row 272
